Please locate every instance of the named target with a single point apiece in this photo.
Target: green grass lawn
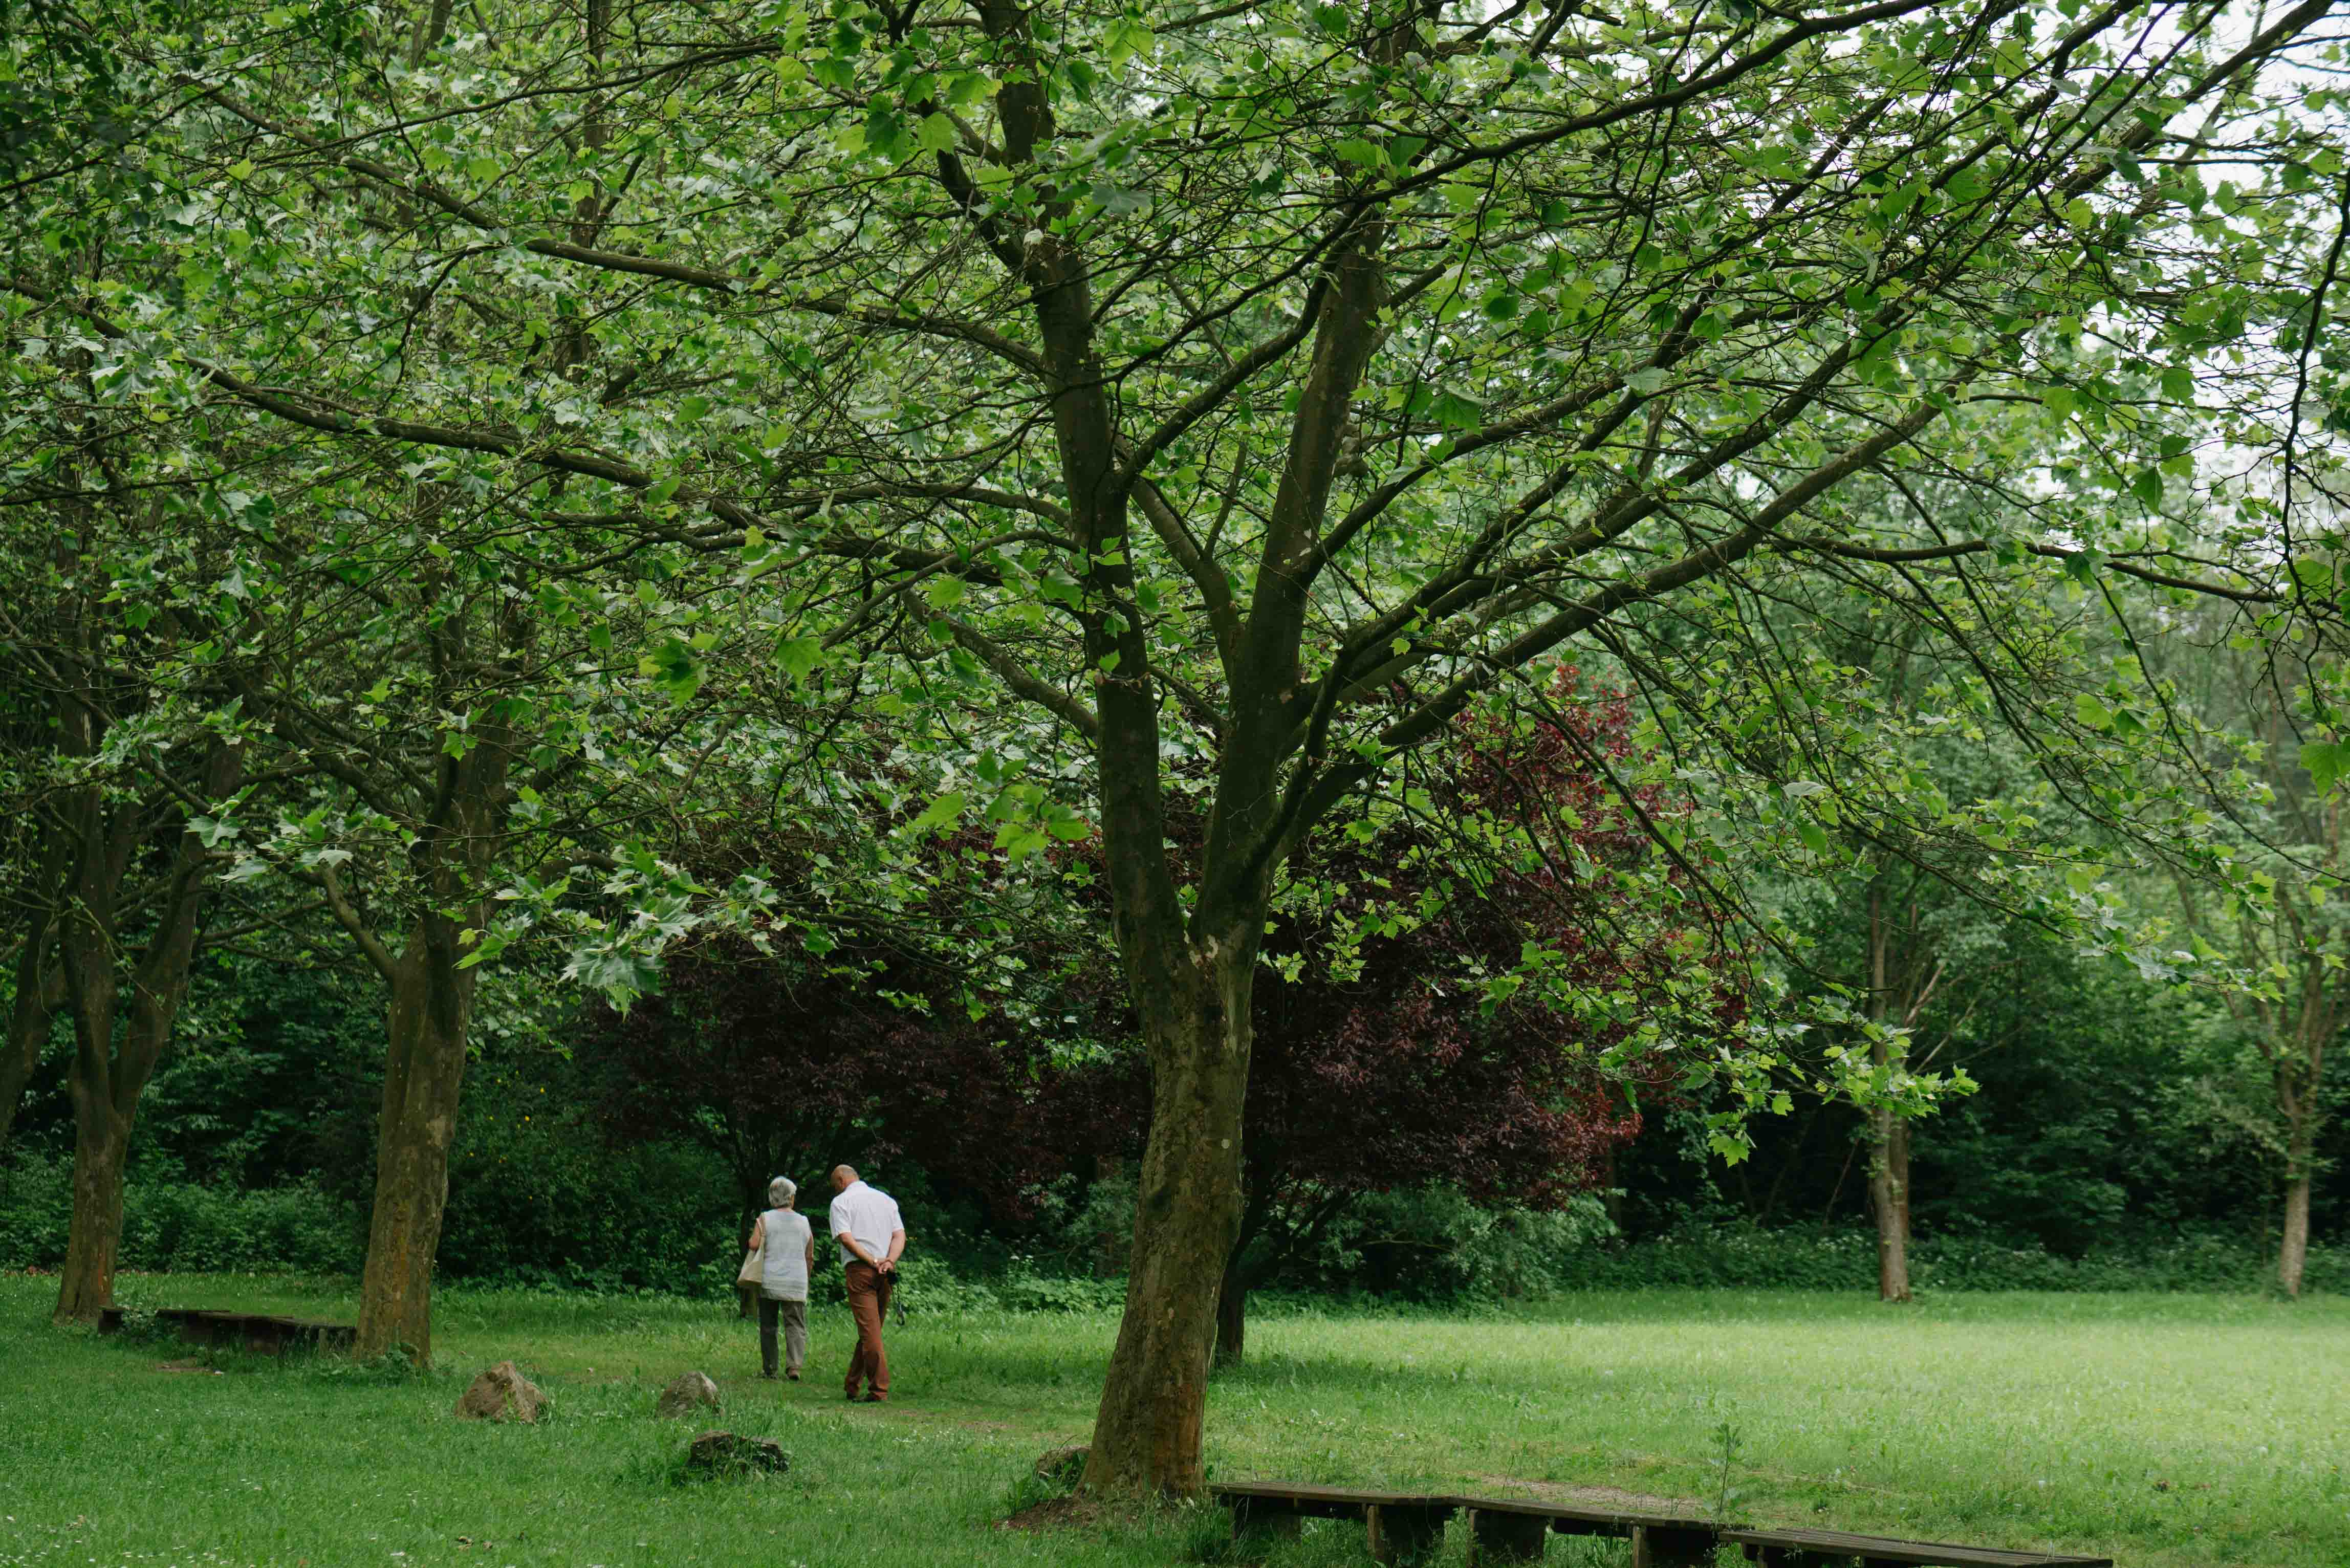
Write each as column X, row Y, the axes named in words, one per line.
column 2156, row 1429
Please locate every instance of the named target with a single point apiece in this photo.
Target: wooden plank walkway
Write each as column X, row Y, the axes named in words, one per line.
column 1821, row 1548
column 1403, row 1526
column 1406, row 1526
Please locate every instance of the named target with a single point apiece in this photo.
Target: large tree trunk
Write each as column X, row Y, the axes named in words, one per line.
column 94, row 1244
column 432, row 1005
column 101, row 1133
column 1231, row 1316
column 1888, row 1198
column 106, row 1080
column 427, row 1022
column 1148, row 1433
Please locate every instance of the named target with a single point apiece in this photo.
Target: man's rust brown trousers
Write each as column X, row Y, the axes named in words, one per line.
column 869, row 1299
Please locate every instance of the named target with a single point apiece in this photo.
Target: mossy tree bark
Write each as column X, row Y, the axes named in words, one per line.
column 107, row 1074
column 430, row 987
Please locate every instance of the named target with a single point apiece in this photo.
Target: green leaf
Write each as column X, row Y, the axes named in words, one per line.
column 1125, row 38
column 2092, row 712
column 943, row 812
column 2326, row 762
column 798, row 657
column 1356, row 151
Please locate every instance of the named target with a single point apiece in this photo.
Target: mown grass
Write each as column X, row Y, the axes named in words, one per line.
column 2160, row 1431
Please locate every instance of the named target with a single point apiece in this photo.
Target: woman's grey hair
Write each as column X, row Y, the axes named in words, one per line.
column 781, row 1191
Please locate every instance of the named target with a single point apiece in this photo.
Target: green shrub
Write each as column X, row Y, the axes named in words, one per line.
column 1743, row 1258
column 36, row 1210
column 1433, row 1243
column 183, row 1226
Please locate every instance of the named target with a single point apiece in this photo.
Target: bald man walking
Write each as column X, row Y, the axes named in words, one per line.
column 872, row 1235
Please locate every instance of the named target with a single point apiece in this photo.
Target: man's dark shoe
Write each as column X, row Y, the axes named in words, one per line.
column 851, row 1396
column 792, row 1375
column 876, row 1399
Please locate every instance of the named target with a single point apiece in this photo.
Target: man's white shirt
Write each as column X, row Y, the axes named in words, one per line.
column 868, row 1214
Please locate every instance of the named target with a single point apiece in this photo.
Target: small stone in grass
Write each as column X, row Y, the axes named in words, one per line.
column 501, row 1394
column 686, row 1395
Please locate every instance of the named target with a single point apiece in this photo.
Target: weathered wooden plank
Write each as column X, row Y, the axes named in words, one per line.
column 1832, row 1548
column 1314, row 1491
column 1601, row 1520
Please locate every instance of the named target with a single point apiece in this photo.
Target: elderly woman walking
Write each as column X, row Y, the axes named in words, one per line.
column 786, row 1244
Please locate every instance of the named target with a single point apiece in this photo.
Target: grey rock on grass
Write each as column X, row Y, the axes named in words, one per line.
column 688, row 1394
column 501, row 1394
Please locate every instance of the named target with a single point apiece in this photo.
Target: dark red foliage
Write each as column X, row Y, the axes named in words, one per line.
column 785, row 1068
column 1392, row 1074
column 1400, row 1074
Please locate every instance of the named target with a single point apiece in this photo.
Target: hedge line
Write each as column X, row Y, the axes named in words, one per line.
column 177, row 1226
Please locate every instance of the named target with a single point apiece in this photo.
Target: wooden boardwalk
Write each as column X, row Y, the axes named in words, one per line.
column 1406, row 1526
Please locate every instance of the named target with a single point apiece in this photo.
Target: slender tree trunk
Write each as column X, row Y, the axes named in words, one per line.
column 38, row 996
column 2300, row 1078
column 424, row 1067
column 1888, row 1135
column 1888, row 1197
column 1107, row 1253
column 40, row 984
column 1231, row 1316
column 2297, row 1084
column 1147, row 1432
column 2292, row 1255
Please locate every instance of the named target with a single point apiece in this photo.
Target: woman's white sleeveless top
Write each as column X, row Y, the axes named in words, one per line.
column 783, row 1275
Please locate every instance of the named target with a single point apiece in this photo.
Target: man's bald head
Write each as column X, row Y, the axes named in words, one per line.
column 842, row 1174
